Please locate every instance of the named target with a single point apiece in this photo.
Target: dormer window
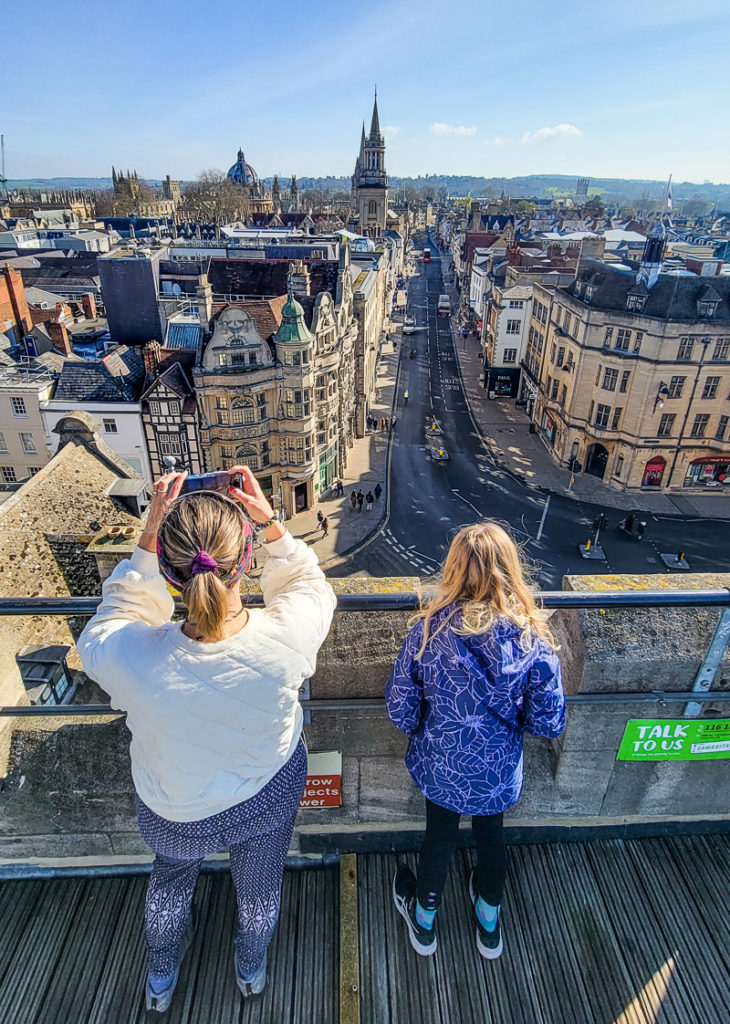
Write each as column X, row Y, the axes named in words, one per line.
column 635, row 302
column 706, row 309
column 588, row 294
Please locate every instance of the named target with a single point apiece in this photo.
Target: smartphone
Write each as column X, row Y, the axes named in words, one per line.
column 211, row 482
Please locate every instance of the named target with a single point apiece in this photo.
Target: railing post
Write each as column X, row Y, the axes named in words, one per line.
column 711, row 663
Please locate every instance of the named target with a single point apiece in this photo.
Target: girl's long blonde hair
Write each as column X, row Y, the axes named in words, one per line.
column 484, row 578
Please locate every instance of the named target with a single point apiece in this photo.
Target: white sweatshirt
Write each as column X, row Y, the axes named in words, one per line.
column 211, row 723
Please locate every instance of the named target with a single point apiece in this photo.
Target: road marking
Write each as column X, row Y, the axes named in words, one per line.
column 542, row 521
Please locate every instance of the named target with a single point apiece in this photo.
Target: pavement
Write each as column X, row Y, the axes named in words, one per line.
column 506, row 430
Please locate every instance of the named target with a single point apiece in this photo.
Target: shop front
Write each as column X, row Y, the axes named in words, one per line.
column 710, row 471
column 548, row 426
column 653, row 472
column 503, row 383
column 327, row 468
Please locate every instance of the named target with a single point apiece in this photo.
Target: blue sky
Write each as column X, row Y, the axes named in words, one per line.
column 626, row 89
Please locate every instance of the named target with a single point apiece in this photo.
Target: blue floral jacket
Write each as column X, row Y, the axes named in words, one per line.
column 465, row 705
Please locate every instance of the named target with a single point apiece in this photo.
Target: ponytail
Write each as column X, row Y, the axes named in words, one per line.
column 206, row 599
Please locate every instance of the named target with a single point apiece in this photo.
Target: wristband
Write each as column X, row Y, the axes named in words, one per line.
column 275, row 518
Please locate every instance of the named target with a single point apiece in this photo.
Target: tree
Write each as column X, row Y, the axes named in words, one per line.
column 696, row 207
column 214, row 199
column 595, row 208
column 311, row 198
column 526, row 206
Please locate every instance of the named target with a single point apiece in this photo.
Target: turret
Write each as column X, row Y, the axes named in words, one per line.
column 651, row 261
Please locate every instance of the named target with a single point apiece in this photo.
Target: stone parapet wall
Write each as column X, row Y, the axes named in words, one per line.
column 68, row 790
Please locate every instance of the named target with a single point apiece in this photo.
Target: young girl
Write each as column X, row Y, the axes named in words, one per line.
column 477, row 669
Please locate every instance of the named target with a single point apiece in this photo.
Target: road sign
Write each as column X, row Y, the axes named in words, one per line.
column 664, row 739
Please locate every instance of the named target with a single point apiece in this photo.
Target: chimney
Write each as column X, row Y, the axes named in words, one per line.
column 204, row 293
column 298, row 278
column 592, row 247
column 18, row 301
column 151, row 357
column 88, row 304
column 59, row 337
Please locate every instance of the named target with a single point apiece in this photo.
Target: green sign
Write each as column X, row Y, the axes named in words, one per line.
column 663, row 739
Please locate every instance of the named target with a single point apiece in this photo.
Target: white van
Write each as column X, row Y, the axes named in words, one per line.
column 444, row 305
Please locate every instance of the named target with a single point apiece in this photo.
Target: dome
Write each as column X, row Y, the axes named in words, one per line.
column 242, row 173
column 293, row 326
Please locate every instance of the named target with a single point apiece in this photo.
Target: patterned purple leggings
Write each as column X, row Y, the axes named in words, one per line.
column 257, row 834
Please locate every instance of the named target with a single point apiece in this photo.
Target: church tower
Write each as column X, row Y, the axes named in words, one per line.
column 370, row 181
column 276, row 194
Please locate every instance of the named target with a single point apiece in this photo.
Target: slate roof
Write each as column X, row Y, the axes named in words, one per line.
column 672, row 297
column 268, row 277
column 37, row 296
column 118, row 377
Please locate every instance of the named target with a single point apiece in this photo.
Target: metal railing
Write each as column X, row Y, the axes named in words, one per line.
column 408, row 601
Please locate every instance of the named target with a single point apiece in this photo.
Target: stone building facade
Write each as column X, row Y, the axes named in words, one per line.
column 630, row 376
column 275, row 388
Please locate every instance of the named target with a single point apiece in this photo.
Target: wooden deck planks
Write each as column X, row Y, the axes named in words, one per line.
column 604, row 932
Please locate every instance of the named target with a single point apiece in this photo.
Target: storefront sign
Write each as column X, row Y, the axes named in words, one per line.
column 324, row 779
column 662, row 739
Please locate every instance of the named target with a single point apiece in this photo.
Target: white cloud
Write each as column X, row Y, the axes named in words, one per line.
column 499, row 141
column 550, row 133
column 452, row 129
column 389, row 130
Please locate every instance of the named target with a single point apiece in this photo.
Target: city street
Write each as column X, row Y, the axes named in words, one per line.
column 429, row 500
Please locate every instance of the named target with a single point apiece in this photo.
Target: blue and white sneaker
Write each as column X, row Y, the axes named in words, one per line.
column 159, row 990
column 422, row 939
column 489, row 943
column 251, row 986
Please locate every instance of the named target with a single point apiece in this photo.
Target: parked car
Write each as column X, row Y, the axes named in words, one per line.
column 409, row 325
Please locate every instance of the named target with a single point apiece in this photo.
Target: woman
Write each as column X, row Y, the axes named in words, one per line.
column 218, row 759
column 477, row 670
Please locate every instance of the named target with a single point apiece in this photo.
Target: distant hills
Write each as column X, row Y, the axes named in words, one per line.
column 628, row 190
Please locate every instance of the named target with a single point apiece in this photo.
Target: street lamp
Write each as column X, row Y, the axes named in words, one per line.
column 661, row 394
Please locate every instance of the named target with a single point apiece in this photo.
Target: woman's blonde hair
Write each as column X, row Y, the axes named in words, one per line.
column 485, row 579
column 203, row 522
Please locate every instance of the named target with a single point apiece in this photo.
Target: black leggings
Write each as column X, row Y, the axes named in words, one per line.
column 439, row 843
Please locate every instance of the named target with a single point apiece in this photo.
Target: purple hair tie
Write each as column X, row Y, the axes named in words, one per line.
column 203, row 562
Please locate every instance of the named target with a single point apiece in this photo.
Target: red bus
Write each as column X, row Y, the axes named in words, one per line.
column 426, row 255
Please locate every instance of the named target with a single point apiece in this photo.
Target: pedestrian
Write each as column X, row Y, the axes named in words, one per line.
column 340, row 488
column 320, row 517
column 378, row 491
column 393, row 423
column 405, row 396
column 476, row 671
column 360, row 499
column 387, row 422
column 325, row 527
column 369, row 499
column 382, row 423
column 218, row 759
column 353, row 501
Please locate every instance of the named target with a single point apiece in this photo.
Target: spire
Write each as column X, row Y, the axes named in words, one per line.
column 362, row 142
column 375, row 123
